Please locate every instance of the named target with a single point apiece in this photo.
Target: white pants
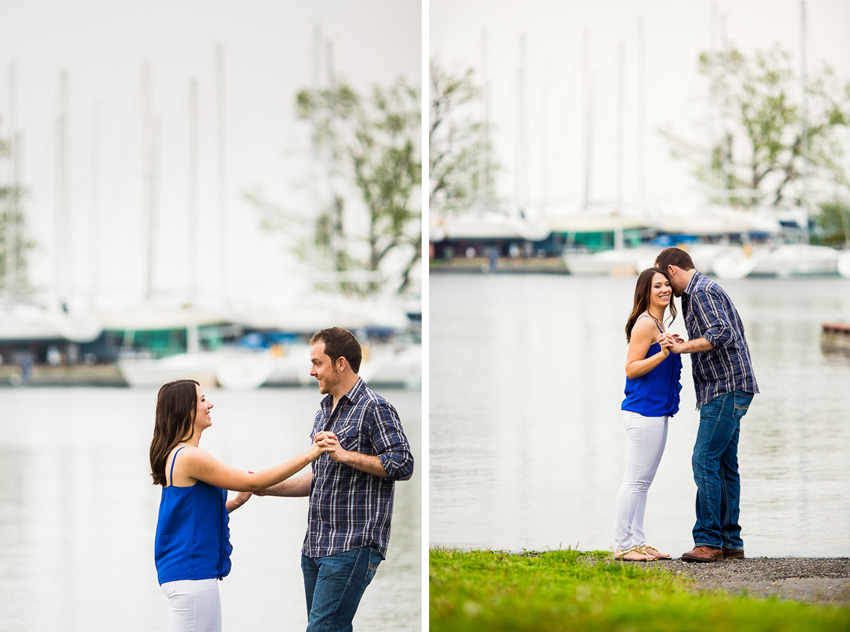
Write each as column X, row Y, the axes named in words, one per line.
column 193, row 605
column 646, row 436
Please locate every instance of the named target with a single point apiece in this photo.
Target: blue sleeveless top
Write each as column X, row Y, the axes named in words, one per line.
column 192, row 536
column 655, row 394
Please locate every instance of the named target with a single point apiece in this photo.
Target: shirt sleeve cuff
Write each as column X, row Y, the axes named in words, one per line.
column 717, row 339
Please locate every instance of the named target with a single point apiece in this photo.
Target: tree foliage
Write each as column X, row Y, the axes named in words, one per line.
column 834, row 223
column 758, row 153
column 457, row 140
column 13, row 235
column 367, row 147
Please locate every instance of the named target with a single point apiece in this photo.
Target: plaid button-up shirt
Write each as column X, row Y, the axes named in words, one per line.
column 710, row 314
column 350, row 508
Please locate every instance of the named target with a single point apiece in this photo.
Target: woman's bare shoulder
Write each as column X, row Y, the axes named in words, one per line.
column 644, row 327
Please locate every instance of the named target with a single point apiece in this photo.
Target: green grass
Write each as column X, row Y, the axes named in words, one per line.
column 494, row 591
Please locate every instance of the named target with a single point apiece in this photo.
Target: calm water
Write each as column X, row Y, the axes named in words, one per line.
column 527, row 445
column 78, row 513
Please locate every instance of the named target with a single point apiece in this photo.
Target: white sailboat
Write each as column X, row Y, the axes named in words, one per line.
column 149, row 372
column 844, row 264
column 778, row 260
column 288, row 364
column 20, row 321
column 140, row 368
column 393, row 365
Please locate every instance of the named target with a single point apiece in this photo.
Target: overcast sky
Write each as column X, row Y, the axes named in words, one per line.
column 267, row 47
column 675, row 32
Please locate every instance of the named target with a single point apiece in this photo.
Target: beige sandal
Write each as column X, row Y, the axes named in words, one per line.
column 654, row 553
column 632, row 554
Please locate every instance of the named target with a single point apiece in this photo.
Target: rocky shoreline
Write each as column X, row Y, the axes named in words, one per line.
column 812, row 580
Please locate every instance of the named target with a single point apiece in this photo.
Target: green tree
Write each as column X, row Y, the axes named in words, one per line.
column 834, row 223
column 759, row 147
column 462, row 174
column 369, row 147
column 14, row 243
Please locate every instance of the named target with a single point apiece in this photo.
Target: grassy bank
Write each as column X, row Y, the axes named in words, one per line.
column 570, row 590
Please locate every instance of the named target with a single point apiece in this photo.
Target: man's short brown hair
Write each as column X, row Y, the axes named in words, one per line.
column 674, row 257
column 340, row 343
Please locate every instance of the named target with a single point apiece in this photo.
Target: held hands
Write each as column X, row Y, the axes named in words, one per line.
column 318, row 447
column 669, row 342
column 328, row 442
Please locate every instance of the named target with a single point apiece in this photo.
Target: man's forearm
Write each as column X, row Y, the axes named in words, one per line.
column 365, row 463
column 693, row 346
column 291, row 487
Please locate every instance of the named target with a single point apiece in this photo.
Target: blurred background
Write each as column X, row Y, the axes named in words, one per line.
column 206, row 166
column 559, row 131
column 570, row 143
column 192, row 190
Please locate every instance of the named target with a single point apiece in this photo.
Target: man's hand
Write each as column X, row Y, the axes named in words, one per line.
column 672, row 342
column 364, row 462
column 330, row 443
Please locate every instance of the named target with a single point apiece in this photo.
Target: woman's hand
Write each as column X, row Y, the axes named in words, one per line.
column 237, row 501
column 666, row 341
column 242, row 498
column 318, row 447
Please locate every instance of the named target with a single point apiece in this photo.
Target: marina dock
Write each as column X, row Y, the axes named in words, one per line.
column 835, row 337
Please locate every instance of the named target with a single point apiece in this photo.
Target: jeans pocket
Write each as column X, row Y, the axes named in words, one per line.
column 169, row 588
column 372, row 566
column 741, row 404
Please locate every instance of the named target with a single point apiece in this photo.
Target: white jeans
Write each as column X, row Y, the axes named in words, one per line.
column 193, row 605
column 647, row 436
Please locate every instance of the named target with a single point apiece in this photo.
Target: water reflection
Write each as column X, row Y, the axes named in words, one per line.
column 527, row 447
column 78, row 512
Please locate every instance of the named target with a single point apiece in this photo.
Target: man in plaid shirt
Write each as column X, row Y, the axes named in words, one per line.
column 351, row 490
column 725, row 385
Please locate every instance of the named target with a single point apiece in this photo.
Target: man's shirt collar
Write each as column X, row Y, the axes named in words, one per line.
column 692, row 283
column 353, row 395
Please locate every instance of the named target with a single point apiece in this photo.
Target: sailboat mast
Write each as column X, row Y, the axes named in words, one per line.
column 804, row 145
column 94, row 210
column 484, row 150
column 10, row 282
column 147, row 162
column 62, row 256
column 194, row 219
column 222, row 171
column 588, row 121
column 544, row 143
column 621, row 53
column 522, row 135
column 192, row 339
column 621, row 61
column 316, row 86
column 481, row 189
column 641, row 107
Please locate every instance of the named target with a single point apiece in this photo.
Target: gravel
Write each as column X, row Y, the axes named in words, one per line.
column 819, row 580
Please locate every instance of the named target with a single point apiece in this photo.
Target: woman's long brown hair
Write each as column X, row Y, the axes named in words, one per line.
column 176, row 405
column 643, row 290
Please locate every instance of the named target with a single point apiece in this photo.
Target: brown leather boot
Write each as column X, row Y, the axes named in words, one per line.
column 733, row 554
column 703, row 554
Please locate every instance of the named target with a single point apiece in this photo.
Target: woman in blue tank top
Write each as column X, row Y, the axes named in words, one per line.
column 652, row 397
column 192, row 548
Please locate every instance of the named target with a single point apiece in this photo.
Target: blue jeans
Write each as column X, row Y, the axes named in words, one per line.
column 715, row 463
column 334, row 586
